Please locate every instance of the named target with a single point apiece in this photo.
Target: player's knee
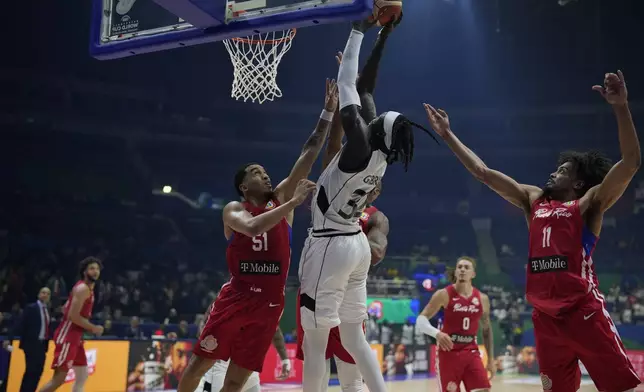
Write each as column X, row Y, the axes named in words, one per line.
column 233, row 385
column 80, row 374
column 353, row 338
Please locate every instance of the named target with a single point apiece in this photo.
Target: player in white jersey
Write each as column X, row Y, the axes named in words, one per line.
column 213, row 380
column 336, row 256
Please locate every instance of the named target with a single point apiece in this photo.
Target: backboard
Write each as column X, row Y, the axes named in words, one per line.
column 122, row 28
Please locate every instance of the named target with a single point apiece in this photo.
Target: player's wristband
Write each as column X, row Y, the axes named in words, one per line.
column 286, row 362
column 326, row 115
column 423, row 325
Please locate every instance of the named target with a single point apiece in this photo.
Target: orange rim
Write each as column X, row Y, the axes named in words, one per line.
column 247, row 40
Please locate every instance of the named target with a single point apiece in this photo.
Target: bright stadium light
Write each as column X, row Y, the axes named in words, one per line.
column 167, row 189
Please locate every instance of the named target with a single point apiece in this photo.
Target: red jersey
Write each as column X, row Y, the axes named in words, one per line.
column 365, row 216
column 67, row 329
column 461, row 318
column 560, row 271
column 260, row 264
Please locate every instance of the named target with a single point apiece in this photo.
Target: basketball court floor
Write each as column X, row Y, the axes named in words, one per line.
column 499, row 384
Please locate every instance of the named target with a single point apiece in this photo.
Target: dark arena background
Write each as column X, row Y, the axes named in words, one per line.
column 132, row 160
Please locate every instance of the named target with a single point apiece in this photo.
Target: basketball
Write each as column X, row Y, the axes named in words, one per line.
column 385, row 11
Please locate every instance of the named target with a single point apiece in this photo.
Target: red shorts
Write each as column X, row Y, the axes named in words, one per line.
column 333, row 348
column 586, row 334
column 240, row 327
column 466, row 366
column 69, row 353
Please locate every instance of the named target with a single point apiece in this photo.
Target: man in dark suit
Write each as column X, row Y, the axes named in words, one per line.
column 34, row 330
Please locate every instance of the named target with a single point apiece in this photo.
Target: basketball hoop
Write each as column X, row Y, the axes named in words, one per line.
column 255, row 59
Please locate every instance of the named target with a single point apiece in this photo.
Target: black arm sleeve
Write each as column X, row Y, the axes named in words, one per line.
column 356, row 153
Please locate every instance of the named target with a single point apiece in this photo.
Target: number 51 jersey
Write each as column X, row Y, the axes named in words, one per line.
column 341, row 197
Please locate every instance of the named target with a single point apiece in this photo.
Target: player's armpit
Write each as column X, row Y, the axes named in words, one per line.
column 237, row 218
column 439, row 300
column 80, row 295
column 357, row 150
column 603, row 196
column 378, row 230
column 520, row 195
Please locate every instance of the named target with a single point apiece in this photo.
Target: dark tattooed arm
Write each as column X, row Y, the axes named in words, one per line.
column 280, row 345
column 284, row 191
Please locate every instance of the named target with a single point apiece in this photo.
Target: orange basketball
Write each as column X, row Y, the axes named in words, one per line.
column 385, row 11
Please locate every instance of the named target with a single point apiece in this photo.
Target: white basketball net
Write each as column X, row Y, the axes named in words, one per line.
column 255, row 59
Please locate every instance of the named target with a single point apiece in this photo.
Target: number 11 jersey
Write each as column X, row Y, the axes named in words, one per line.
column 560, row 272
column 341, row 197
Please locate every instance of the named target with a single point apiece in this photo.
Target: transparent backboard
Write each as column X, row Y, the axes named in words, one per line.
column 121, row 28
column 248, row 9
column 136, row 19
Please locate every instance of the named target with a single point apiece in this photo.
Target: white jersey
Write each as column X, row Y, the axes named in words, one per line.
column 341, row 197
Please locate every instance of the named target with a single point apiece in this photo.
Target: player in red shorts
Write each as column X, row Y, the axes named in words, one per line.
column 246, row 313
column 70, row 351
column 376, row 225
column 459, row 359
column 565, row 219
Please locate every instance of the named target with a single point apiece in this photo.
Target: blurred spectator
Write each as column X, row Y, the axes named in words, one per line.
column 183, row 332
column 134, row 331
column 107, row 329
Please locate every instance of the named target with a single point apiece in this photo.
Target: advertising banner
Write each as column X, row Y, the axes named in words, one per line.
column 273, row 364
column 637, row 359
column 105, row 361
column 395, row 311
column 156, row 365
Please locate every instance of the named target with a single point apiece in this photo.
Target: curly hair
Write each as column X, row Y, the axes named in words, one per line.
column 86, row 262
column 591, row 167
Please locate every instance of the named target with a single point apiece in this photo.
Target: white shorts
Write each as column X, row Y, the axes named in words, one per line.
column 213, row 380
column 333, row 279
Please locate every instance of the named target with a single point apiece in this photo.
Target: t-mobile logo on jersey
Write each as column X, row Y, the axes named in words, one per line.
column 462, row 338
column 548, row 264
column 260, row 267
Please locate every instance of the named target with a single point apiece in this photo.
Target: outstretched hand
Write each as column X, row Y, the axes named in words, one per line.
column 438, row 120
column 331, row 99
column 614, row 89
column 303, row 190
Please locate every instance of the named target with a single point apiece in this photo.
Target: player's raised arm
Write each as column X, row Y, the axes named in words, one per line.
column 312, row 147
column 81, row 294
column 240, row 220
column 357, row 150
column 488, row 336
column 604, row 195
column 334, row 142
column 520, row 195
column 439, row 300
column 378, row 229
